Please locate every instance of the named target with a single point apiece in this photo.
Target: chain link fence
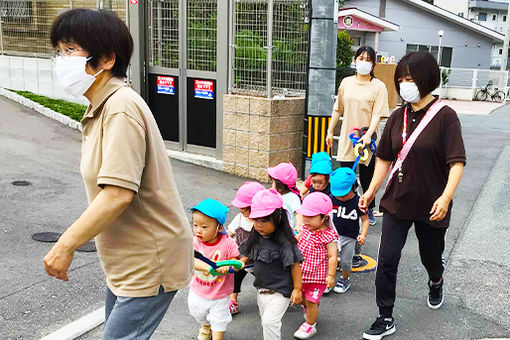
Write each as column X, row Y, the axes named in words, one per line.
column 25, row 25
column 269, row 47
column 163, row 25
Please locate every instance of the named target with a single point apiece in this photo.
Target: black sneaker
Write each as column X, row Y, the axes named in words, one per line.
column 358, row 261
column 436, row 297
column 380, row 328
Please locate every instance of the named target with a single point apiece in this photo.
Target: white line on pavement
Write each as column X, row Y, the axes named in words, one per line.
column 79, row 327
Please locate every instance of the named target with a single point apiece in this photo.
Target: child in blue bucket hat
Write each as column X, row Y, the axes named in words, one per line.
column 209, row 295
column 346, row 219
column 320, row 170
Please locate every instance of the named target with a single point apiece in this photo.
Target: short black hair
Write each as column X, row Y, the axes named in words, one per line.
column 422, row 66
column 100, row 33
column 371, row 54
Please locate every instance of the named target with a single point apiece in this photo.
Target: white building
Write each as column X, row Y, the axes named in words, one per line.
column 489, row 13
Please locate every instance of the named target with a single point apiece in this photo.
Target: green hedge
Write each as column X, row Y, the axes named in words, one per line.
column 72, row 110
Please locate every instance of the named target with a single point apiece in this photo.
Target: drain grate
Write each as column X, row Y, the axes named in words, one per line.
column 21, row 183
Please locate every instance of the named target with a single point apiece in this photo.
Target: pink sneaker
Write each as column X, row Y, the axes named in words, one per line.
column 306, row 331
column 233, row 307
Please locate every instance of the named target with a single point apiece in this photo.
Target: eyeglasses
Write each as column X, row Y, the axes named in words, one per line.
column 65, row 53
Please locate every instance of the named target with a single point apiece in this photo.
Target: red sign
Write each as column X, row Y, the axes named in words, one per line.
column 204, row 89
column 165, row 85
column 133, row 2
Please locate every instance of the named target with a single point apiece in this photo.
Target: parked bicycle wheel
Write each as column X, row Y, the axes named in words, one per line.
column 499, row 96
column 481, row 95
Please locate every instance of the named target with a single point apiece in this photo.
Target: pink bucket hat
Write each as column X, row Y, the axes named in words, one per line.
column 285, row 173
column 265, row 202
column 245, row 193
column 315, row 204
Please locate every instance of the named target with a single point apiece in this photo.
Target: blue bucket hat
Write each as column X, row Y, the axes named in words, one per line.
column 212, row 208
column 342, row 180
column 321, row 163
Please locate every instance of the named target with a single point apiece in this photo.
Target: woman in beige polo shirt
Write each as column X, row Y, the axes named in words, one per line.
column 362, row 101
column 143, row 238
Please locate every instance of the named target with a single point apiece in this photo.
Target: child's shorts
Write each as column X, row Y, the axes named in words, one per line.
column 313, row 291
column 213, row 312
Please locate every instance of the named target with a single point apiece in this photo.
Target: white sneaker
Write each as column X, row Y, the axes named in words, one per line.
column 305, row 331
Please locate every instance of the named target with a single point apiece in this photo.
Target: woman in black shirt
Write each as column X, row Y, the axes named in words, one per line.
column 420, row 188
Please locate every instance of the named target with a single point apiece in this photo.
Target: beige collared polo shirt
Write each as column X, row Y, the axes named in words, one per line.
column 150, row 244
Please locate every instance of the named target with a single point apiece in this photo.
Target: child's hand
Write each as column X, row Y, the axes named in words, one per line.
column 361, row 239
column 223, row 270
column 330, row 281
column 295, row 296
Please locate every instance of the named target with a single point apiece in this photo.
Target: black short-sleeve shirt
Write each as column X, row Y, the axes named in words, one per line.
column 426, row 168
column 346, row 216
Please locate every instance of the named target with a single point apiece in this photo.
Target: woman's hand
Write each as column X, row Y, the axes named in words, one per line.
column 57, row 261
column 440, row 208
column 330, row 281
column 295, row 296
column 366, row 139
column 329, row 139
column 365, row 200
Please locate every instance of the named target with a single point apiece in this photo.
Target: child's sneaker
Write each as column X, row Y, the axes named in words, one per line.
column 380, row 328
column 233, row 307
column 342, row 285
column 327, row 290
column 306, row 331
column 205, row 333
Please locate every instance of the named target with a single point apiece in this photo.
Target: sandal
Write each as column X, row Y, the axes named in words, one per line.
column 233, row 307
column 205, row 333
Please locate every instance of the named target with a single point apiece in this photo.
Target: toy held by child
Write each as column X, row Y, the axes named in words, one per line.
column 346, row 219
column 284, row 177
column 273, row 249
column 317, row 243
column 240, row 228
column 209, row 294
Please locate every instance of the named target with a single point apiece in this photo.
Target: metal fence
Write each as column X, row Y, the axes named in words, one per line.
column 25, row 25
column 473, row 78
column 163, row 25
column 269, row 47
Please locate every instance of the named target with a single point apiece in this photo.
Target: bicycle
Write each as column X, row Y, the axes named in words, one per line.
column 485, row 92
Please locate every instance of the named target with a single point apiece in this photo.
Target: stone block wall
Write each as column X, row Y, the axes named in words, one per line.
column 260, row 132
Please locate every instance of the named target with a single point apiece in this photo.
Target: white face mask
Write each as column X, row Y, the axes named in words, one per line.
column 409, row 92
column 363, row 67
column 72, row 76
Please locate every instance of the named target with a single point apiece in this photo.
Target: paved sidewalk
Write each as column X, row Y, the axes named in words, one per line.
column 473, row 107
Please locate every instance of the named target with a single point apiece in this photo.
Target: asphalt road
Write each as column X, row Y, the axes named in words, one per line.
column 45, row 153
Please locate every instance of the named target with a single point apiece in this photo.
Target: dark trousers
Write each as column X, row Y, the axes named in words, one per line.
column 366, row 172
column 393, row 239
column 238, row 279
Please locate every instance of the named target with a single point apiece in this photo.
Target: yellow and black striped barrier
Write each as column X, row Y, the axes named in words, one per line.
column 317, row 129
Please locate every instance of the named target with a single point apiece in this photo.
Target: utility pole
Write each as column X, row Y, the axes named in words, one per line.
column 505, row 42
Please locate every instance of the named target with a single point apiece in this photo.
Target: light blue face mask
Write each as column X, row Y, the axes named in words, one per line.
column 72, row 76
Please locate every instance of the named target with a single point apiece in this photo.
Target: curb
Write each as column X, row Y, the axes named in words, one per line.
column 79, row 327
column 41, row 109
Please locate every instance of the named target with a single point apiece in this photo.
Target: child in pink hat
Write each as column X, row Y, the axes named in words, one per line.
column 318, row 244
column 240, row 228
column 273, row 249
column 284, row 177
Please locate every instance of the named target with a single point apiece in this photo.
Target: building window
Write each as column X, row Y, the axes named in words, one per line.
column 446, row 52
column 482, row 16
column 494, row 17
column 504, row 18
column 500, row 51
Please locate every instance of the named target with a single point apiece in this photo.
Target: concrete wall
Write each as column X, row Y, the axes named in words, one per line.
column 418, row 26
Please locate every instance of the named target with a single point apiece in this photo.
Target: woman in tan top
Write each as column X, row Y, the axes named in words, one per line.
column 143, row 238
column 362, row 101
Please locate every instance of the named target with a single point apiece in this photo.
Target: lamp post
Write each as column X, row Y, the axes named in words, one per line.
column 440, row 33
